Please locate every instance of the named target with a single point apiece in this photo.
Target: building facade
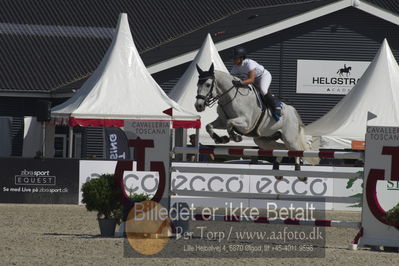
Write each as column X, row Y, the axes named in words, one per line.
column 51, row 47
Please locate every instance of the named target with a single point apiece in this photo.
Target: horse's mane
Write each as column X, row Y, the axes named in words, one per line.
column 226, row 74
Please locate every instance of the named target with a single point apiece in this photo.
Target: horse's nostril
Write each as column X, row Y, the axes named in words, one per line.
column 199, row 107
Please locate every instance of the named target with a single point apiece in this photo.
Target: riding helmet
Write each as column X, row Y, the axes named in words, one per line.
column 239, row 52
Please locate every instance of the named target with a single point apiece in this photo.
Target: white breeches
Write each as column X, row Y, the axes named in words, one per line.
column 263, row 82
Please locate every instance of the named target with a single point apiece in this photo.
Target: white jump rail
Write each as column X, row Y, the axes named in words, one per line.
column 184, row 168
column 264, row 196
column 271, row 153
column 288, row 221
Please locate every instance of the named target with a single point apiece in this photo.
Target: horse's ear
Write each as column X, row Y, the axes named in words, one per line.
column 199, row 70
column 211, row 69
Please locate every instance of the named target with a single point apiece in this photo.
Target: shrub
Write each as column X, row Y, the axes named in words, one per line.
column 139, row 197
column 392, row 216
column 102, row 195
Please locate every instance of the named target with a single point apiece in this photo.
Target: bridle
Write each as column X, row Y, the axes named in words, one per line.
column 208, row 99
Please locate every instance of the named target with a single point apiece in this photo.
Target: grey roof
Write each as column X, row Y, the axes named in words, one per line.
column 54, row 45
column 391, row 5
column 153, row 22
column 232, row 25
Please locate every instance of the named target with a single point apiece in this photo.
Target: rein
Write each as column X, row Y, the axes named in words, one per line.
column 235, row 95
column 209, row 100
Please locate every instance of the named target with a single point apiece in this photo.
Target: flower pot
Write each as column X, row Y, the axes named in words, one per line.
column 107, row 227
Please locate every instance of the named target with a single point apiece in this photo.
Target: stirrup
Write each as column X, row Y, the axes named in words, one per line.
column 278, row 111
column 276, row 116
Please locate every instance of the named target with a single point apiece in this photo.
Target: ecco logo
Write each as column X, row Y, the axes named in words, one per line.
column 148, row 184
column 200, row 183
column 265, row 183
column 144, row 185
column 315, row 187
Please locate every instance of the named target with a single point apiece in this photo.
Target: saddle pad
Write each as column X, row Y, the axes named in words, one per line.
column 260, row 101
column 259, row 98
column 278, row 102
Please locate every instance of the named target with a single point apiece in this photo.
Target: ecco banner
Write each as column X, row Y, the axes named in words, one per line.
column 316, row 187
column 53, row 181
column 328, row 77
column 116, row 144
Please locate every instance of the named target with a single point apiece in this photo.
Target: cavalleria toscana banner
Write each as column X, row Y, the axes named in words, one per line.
column 381, row 182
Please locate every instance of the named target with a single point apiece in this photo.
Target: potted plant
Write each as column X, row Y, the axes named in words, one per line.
column 102, row 195
column 392, row 216
column 136, row 197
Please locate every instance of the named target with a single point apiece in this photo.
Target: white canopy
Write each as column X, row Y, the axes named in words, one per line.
column 185, row 91
column 121, row 88
column 377, row 92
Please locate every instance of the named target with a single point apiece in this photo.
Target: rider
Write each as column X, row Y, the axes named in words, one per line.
column 255, row 74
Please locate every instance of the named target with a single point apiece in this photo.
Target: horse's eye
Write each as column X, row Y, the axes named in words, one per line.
column 208, row 85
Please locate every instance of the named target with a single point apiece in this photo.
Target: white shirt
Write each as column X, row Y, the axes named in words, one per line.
column 246, row 66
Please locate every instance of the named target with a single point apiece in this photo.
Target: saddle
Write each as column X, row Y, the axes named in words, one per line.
column 264, row 107
column 261, row 101
column 259, row 98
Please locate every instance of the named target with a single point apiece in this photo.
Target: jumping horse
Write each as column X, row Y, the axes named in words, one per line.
column 240, row 113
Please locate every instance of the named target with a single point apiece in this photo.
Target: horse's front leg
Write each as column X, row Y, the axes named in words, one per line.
column 234, row 136
column 240, row 124
column 217, row 124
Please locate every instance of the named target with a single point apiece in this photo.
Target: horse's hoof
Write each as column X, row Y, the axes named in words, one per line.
column 302, row 178
column 279, row 178
column 217, row 140
column 225, row 139
column 237, row 138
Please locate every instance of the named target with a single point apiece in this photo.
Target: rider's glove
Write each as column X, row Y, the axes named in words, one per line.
column 237, row 83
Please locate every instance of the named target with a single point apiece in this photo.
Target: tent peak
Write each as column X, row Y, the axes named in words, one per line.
column 375, row 92
column 121, row 88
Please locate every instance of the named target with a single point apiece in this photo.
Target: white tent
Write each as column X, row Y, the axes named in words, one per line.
column 185, row 90
column 121, row 88
column 377, row 92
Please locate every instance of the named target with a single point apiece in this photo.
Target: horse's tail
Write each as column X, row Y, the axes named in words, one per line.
column 302, row 142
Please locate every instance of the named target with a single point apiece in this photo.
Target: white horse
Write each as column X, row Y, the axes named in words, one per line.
column 239, row 111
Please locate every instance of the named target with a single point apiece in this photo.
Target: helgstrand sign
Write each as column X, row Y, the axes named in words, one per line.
column 328, row 77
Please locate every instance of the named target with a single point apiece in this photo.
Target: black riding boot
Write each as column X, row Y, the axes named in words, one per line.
column 276, row 111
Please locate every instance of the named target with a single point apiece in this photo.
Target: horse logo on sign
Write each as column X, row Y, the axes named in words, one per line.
column 346, row 70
